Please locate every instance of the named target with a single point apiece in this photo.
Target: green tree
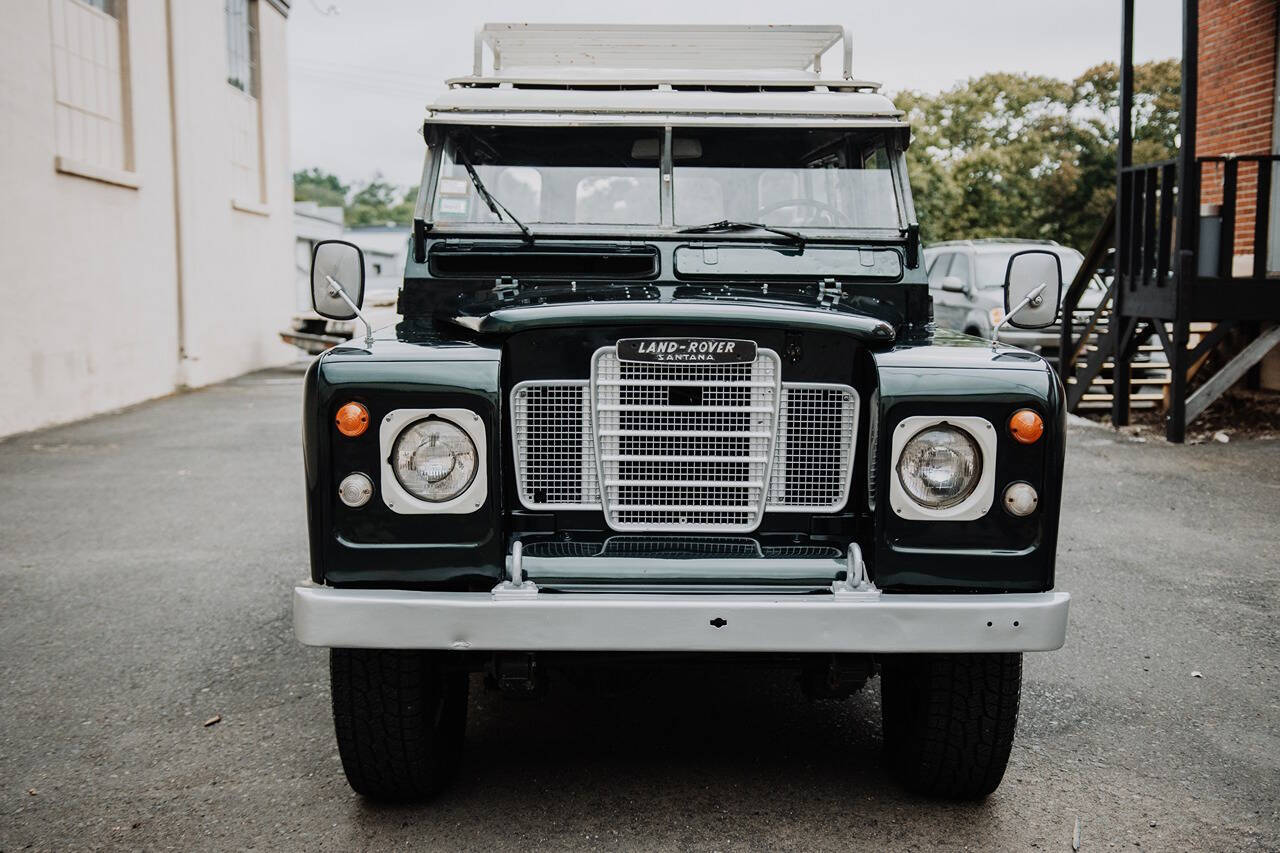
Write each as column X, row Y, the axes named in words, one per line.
column 319, row 186
column 380, row 203
column 1016, row 155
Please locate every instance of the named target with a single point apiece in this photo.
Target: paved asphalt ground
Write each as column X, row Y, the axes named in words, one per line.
column 146, row 561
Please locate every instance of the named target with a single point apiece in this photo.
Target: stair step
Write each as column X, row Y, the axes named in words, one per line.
column 1153, row 398
column 1135, row 380
column 1105, row 404
column 1141, row 366
column 1141, row 348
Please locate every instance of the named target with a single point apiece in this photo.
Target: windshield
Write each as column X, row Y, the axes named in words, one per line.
column 602, row 177
column 787, row 177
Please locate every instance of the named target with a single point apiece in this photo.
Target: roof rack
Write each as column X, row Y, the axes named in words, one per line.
column 787, row 56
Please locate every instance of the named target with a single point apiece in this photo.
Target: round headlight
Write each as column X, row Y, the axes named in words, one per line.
column 940, row 466
column 434, row 460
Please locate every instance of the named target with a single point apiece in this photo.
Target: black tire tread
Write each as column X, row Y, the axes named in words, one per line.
column 949, row 721
column 399, row 722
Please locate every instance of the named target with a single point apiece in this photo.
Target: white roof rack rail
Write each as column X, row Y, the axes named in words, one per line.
column 587, row 52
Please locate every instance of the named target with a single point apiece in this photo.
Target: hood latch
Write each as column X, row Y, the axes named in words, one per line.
column 830, row 292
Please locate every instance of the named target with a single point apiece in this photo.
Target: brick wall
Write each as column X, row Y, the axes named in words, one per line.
column 1237, row 97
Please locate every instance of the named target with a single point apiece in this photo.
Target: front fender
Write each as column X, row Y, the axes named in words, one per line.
column 374, row 544
column 997, row 552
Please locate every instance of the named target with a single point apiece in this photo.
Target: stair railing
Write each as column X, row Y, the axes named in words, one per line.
column 1071, row 345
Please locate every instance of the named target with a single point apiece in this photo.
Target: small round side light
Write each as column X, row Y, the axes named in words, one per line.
column 355, row 490
column 1020, row 499
column 1026, row 426
column 352, row 420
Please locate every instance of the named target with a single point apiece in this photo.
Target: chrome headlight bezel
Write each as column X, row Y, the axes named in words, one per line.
column 398, row 498
column 922, row 449
column 979, row 499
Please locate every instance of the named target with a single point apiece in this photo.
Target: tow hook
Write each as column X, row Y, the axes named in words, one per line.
column 516, row 674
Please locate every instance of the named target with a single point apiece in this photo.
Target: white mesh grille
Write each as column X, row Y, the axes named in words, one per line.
column 685, row 447
column 813, row 459
column 554, row 447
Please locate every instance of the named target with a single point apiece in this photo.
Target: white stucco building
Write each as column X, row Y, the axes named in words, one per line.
column 147, row 224
column 311, row 224
column 386, row 248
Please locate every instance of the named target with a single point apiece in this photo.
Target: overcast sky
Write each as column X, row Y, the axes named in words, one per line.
column 360, row 79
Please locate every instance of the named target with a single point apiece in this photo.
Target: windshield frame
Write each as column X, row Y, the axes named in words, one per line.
column 437, row 135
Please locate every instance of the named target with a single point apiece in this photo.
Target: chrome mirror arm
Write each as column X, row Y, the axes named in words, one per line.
column 336, row 289
column 1033, row 298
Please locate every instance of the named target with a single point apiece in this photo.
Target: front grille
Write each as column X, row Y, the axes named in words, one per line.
column 554, row 447
column 814, row 456
column 683, row 448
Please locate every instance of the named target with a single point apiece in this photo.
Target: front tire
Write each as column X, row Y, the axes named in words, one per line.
column 400, row 718
column 949, row 721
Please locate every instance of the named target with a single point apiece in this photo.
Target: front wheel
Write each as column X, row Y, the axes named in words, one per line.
column 400, row 719
column 949, row 721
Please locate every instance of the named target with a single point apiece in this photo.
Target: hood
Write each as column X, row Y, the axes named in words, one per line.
column 647, row 307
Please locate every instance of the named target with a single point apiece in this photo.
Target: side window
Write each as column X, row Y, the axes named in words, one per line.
column 939, row 269
column 960, row 269
column 92, row 121
column 244, row 89
column 242, row 46
column 302, row 249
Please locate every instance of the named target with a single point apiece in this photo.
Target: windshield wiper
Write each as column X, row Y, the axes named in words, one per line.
column 481, row 190
column 730, row 225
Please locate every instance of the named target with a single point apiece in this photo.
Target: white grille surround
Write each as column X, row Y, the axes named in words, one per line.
column 684, row 447
column 680, row 448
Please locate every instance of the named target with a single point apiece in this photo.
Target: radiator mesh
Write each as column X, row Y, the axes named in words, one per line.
column 684, row 448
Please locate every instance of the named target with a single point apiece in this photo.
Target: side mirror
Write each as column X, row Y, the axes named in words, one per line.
column 1032, row 289
column 953, row 284
column 337, row 269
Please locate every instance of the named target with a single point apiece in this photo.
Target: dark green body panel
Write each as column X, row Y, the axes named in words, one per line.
column 960, row 375
column 704, row 312
column 936, row 373
column 450, row 350
column 373, row 545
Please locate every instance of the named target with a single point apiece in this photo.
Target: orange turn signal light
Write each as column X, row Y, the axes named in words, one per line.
column 1026, row 426
column 352, row 420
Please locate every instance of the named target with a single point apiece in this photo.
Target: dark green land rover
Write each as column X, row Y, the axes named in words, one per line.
column 667, row 390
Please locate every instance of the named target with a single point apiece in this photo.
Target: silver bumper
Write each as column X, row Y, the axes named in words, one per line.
column 861, row 621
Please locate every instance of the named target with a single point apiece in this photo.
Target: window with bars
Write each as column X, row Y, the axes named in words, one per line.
column 245, row 124
column 242, row 45
column 92, row 124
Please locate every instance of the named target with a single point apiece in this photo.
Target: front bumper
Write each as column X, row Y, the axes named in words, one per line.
column 833, row 622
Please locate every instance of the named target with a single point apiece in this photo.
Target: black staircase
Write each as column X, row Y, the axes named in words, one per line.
column 1163, row 292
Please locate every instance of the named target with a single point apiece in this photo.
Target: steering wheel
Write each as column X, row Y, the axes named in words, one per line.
column 835, row 215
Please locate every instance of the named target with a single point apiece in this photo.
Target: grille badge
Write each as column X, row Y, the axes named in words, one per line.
column 687, row 350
